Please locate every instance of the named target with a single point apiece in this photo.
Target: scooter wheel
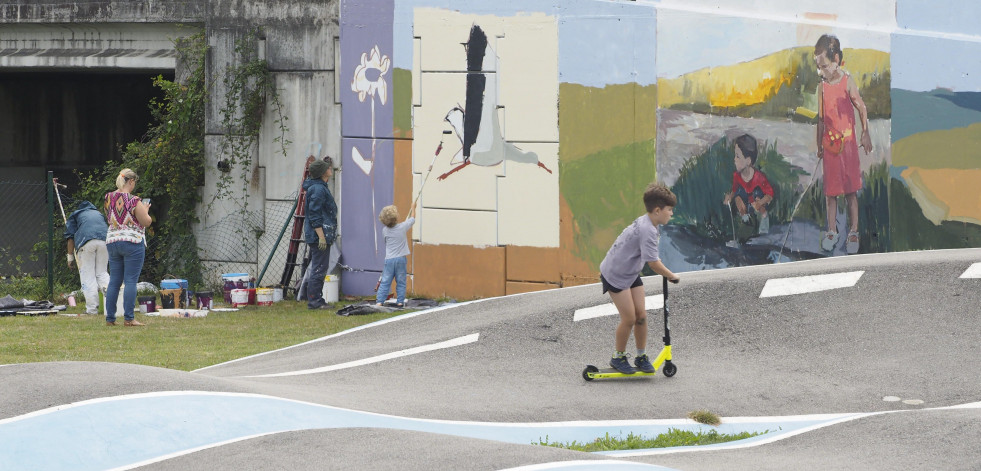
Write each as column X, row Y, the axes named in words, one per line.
column 589, row 369
column 670, row 369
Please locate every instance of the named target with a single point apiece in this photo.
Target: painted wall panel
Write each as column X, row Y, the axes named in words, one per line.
column 366, row 67
column 444, row 33
column 532, row 264
column 528, row 200
column 516, row 287
column 453, row 226
column 366, row 187
column 473, row 187
column 461, row 271
column 528, row 85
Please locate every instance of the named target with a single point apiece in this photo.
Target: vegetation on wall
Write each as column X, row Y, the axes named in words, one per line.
column 170, row 158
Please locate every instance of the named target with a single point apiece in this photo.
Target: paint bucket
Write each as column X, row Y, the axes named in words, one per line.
column 119, row 303
column 264, row 296
column 232, row 281
column 240, row 297
column 147, row 303
column 277, row 294
column 172, row 298
column 251, row 295
column 204, row 299
column 331, row 291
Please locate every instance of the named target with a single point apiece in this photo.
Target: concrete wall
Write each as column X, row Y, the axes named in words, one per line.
column 528, row 130
column 609, row 96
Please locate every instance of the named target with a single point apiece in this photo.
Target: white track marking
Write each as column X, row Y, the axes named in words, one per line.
column 375, row 359
column 608, row 309
column 974, row 271
column 809, row 284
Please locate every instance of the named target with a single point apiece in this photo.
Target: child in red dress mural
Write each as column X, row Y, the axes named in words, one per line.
column 838, row 98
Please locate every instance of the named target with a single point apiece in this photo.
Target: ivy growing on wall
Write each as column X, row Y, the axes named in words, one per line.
column 170, row 157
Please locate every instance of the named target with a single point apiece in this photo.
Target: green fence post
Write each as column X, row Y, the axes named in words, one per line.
column 51, row 197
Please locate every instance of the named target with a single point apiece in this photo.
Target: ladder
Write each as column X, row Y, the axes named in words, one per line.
column 296, row 237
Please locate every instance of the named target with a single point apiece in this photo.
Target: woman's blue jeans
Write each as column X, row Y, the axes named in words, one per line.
column 125, row 265
column 394, row 268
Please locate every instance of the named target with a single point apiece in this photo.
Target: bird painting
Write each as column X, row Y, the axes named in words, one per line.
column 477, row 125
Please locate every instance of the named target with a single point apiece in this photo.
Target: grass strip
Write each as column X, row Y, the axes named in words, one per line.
column 177, row 343
column 672, row 438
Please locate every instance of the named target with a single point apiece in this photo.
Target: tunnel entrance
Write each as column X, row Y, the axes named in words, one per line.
column 63, row 121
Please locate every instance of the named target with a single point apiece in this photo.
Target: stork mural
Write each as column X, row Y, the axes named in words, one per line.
column 478, row 126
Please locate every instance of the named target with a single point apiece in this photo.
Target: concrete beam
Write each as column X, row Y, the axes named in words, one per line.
column 89, row 45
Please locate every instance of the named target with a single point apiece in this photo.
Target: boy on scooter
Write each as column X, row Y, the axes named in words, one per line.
column 620, row 275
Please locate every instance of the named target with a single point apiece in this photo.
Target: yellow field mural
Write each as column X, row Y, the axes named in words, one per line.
column 755, row 82
column 941, row 195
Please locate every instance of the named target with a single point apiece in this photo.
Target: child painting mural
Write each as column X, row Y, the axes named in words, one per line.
column 838, row 99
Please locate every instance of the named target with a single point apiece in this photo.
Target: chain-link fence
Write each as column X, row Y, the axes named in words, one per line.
column 23, row 224
column 257, row 242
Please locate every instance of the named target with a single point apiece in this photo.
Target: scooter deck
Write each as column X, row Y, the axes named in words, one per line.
column 610, row 373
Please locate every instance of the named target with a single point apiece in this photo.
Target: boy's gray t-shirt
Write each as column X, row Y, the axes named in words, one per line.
column 396, row 244
column 636, row 245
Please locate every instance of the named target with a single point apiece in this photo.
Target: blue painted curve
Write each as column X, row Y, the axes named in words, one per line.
column 123, row 431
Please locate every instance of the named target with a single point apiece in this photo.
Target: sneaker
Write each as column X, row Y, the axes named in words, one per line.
column 622, row 364
column 829, row 241
column 851, row 242
column 110, row 323
column 133, row 323
column 325, row 306
column 765, row 224
column 643, row 363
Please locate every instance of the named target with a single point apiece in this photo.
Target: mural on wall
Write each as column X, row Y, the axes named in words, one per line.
column 778, row 149
column 936, row 132
column 479, row 131
column 367, row 164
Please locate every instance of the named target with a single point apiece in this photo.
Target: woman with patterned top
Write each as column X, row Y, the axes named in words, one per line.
column 128, row 218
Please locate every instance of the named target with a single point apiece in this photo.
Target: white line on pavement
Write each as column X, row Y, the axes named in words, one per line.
column 809, row 284
column 375, row 359
column 974, row 271
column 608, row 309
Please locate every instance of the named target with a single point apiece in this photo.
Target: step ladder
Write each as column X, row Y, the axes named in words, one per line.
column 296, row 237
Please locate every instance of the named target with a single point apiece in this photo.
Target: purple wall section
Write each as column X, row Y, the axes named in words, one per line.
column 365, row 24
column 363, row 196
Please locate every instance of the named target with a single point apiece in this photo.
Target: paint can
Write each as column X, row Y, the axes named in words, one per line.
column 240, row 297
column 331, row 291
column 204, row 299
column 147, row 303
column 264, row 296
column 232, row 281
column 172, row 298
column 277, row 294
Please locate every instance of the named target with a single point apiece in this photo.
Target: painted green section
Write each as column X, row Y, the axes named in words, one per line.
column 911, row 230
column 594, row 119
column 918, row 112
column 402, row 102
column 942, row 148
column 605, row 192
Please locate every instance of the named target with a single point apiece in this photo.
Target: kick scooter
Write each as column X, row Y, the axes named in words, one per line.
column 591, row 372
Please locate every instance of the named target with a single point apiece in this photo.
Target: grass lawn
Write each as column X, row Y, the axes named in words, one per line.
column 176, row 343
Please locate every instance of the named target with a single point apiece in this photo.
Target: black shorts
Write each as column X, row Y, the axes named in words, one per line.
column 608, row 287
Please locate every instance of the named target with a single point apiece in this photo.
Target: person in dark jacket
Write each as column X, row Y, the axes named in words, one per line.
column 319, row 228
column 85, row 232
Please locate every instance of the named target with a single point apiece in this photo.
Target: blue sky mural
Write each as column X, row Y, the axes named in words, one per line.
column 582, row 25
